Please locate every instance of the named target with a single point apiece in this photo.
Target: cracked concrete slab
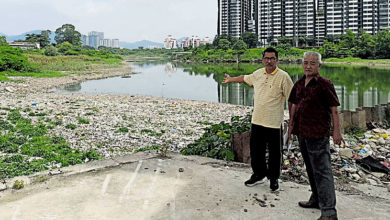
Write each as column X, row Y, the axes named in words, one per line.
column 146, row 186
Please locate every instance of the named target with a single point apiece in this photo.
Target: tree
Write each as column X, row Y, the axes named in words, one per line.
column 217, row 38
column 3, row 41
column 239, row 48
column 224, row 44
column 87, row 47
column 251, row 39
column 283, row 40
column 348, row 40
column 232, row 40
column 67, row 33
column 67, row 48
column 382, row 44
column 239, row 45
column 302, row 41
column 51, row 51
column 43, row 39
column 364, row 45
column 329, row 49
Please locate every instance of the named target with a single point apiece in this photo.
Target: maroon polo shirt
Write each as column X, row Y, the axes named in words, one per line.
column 312, row 116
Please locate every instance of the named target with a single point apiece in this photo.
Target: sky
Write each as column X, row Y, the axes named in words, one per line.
column 126, row 20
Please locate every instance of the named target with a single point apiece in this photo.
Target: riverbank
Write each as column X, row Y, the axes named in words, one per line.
column 150, row 121
column 115, row 125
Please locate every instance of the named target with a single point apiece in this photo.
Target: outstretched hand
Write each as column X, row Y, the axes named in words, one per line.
column 227, row 79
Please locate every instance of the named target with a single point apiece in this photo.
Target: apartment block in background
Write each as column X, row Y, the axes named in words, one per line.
column 84, row 40
column 170, row 42
column 305, row 21
column 236, row 17
column 115, row 43
column 315, row 19
column 96, row 39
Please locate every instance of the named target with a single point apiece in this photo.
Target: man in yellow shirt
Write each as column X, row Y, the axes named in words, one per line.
column 272, row 87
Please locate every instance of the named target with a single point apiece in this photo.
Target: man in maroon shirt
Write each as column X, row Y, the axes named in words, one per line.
column 314, row 102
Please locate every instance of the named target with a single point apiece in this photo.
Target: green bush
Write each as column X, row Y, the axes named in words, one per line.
column 64, row 47
column 215, row 142
column 13, row 59
column 51, row 51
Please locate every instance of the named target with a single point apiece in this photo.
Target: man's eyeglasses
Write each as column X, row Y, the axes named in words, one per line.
column 269, row 58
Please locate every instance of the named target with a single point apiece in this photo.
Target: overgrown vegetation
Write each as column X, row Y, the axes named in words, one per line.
column 215, row 142
column 148, row 148
column 12, row 59
column 52, row 60
column 354, row 130
column 27, row 148
column 361, row 45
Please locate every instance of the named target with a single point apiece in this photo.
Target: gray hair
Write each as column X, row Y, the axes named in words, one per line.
column 312, row 53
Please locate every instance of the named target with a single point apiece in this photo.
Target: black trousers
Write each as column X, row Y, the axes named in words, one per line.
column 261, row 138
column 316, row 155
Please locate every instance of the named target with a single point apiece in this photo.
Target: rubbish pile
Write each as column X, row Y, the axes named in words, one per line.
column 364, row 159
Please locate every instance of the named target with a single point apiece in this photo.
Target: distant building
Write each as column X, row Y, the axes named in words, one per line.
column 84, row 40
column 311, row 20
column 115, row 43
column 236, row 17
column 194, row 41
column 24, row 45
column 205, row 41
column 106, row 43
column 170, row 42
column 95, row 38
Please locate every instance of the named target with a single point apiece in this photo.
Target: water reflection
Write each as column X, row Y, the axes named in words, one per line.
column 170, row 68
column 355, row 86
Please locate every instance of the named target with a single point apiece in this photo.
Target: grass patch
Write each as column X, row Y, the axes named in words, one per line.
column 3, row 77
column 18, row 184
column 71, row 126
column 153, row 133
column 27, row 148
column 122, row 130
column 356, row 60
column 354, row 130
column 215, row 142
column 148, row 148
column 83, row 120
column 73, row 64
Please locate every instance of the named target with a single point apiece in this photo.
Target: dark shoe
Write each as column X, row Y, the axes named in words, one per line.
column 254, row 180
column 308, row 204
column 274, row 185
column 332, row 217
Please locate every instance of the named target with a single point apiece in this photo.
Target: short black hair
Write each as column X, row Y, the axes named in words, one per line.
column 271, row 50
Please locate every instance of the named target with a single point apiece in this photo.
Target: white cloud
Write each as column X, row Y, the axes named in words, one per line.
column 128, row 20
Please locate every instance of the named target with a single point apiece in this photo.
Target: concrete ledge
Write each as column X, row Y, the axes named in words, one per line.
column 359, row 118
column 91, row 166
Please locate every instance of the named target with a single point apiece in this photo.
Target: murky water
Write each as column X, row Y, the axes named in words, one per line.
column 356, row 86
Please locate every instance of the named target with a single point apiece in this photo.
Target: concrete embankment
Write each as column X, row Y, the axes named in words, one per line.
column 145, row 186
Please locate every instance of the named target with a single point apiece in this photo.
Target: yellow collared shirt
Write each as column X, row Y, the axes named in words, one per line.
column 271, row 92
